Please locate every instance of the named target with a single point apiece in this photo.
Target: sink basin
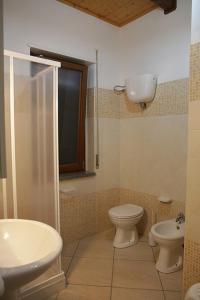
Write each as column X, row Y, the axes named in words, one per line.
column 27, row 249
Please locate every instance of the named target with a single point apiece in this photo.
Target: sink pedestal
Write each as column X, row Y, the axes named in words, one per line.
column 9, row 295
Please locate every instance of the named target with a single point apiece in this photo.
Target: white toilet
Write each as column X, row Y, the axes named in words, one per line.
column 170, row 237
column 125, row 217
column 193, row 293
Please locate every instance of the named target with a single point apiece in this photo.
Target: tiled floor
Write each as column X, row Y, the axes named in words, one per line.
column 97, row 271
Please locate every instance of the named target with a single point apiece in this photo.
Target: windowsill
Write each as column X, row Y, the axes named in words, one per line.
column 76, row 175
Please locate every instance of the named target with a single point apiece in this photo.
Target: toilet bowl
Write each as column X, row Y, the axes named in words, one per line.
column 170, row 237
column 125, row 217
column 193, row 293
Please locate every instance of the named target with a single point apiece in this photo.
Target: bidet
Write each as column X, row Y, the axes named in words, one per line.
column 170, row 237
column 28, row 248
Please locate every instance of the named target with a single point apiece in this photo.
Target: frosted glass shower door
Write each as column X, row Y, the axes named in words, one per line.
column 34, row 141
column 30, row 189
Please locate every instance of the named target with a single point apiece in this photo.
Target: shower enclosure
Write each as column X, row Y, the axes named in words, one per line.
column 30, row 187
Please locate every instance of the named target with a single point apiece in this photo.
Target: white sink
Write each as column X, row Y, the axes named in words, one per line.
column 27, row 249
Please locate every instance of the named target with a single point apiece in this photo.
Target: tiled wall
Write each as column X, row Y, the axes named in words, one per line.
column 85, row 211
column 153, row 143
column 192, row 237
column 170, row 99
column 86, row 214
column 195, row 72
column 154, row 210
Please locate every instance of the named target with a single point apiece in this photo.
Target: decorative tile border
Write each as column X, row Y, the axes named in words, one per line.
column 191, row 274
column 171, row 98
column 194, row 86
column 86, row 214
column 154, row 210
column 109, row 104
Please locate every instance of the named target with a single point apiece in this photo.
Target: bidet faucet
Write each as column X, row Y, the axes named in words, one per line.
column 180, row 218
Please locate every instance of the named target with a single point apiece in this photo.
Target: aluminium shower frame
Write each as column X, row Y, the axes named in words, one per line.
column 14, row 55
column 56, row 282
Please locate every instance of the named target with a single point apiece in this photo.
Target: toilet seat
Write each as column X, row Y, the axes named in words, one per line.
column 126, row 211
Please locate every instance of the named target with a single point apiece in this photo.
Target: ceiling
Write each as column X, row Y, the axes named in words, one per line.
column 116, row 12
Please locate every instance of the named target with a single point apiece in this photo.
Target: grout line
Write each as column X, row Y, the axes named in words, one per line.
column 84, row 284
column 136, row 288
column 127, row 259
column 112, row 273
column 116, row 287
column 158, row 274
column 173, row 291
column 72, row 257
column 93, row 257
column 110, row 258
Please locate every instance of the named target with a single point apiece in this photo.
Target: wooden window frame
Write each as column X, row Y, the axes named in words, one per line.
column 79, row 165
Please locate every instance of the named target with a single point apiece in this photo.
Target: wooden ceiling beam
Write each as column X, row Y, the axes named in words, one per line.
column 167, row 5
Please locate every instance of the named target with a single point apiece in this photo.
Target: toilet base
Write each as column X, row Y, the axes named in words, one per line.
column 10, row 295
column 125, row 238
column 170, row 260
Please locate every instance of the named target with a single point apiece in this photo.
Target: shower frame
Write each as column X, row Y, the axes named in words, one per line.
column 56, row 282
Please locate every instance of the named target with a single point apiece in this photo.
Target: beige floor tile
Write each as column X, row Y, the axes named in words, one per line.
column 90, row 271
column 106, row 235
column 156, row 251
column 133, row 294
column 65, row 262
column 135, row 274
column 79, row 292
column 140, row 251
column 143, row 238
column 172, row 281
column 97, row 246
column 53, row 297
column 69, row 249
column 172, row 296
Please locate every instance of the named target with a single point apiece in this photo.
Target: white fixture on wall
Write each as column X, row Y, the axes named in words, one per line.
column 139, row 89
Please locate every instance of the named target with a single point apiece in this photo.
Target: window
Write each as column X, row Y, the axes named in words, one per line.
column 72, row 87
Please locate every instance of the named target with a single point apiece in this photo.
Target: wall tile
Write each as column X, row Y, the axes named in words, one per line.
column 154, row 210
column 85, row 214
column 192, row 240
column 194, row 85
column 171, row 98
column 191, row 273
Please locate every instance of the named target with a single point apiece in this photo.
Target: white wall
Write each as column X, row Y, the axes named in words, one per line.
column 155, row 43
column 158, row 43
column 153, row 155
column 195, row 21
column 53, row 26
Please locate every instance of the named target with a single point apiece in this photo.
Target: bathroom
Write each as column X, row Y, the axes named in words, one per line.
column 142, row 155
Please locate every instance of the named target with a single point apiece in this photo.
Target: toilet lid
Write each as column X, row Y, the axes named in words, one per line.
column 126, row 211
